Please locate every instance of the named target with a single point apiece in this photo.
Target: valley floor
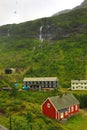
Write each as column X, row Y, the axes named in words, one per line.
column 26, row 106
column 79, row 122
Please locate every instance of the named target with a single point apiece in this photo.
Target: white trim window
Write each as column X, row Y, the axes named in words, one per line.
column 48, row 105
column 69, row 110
column 76, row 107
column 66, row 113
column 72, row 109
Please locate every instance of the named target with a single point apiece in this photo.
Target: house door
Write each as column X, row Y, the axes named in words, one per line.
column 62, row 115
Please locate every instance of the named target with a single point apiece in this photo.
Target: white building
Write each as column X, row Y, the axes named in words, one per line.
column 41, row 82
column 78, row 84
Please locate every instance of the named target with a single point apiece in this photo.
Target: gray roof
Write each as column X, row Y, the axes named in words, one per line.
column 64, row 101
column 78, row 81
column 41, row 79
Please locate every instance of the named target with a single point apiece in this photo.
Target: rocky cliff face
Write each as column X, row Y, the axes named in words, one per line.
column 62, row 12
column 84, row 4
column 56, row 33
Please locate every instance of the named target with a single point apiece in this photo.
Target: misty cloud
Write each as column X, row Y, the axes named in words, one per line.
column 16, row 11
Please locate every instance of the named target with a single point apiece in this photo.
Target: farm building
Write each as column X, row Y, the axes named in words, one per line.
column 41, row 82
column 78, row 84
column 10, row 71
column 60, row 107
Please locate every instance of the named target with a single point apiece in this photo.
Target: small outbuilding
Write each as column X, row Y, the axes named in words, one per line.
column 60, row 107
column 10, row 71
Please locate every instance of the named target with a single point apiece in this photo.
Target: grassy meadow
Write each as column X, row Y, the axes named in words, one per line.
column 24, row 108
column 62, row 54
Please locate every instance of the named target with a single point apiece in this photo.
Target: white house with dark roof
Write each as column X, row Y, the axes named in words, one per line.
column 78, row 84
column 41, row 82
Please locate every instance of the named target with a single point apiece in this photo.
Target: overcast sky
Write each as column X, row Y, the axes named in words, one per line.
column 16, row 11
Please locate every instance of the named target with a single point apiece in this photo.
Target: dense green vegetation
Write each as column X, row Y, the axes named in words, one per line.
column 24, row 110
column 78, row 122
column 63, row 53
column 64, row 57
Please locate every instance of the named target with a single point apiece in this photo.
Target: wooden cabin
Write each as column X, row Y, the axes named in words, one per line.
column 60, row 107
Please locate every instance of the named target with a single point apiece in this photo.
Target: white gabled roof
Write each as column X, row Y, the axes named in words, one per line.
column 41, row 79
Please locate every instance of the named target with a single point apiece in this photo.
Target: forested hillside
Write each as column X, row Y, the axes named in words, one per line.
column 63, row 52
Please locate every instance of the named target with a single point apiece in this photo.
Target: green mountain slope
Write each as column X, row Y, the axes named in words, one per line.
column 63, row 52
column 82, row 5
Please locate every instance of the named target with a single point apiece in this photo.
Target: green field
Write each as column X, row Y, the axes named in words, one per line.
column 79, row 122
column 62, row 54
column 25, row 107
column 65, row 56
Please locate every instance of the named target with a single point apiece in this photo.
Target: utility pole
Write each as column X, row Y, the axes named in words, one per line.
column 10, row 123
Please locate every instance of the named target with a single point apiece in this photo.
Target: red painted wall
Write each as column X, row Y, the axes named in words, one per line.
column 65, row 114
column 49, row 110
column 75, row 109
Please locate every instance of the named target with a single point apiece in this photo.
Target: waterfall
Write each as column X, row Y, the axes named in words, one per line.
column 40, row 36
column 8, row 33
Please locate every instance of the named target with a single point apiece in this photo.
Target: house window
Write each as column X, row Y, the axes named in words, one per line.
column 66, row 113
column 62, row 115
column 26, row 82
column 44, row 82
column 51, row 82
column 42, row 86
column 48, row 105
column 47, row 82
column 76, row 107
column 72, row 109
column 47, row 86
column 51, row 86
column 69, row 109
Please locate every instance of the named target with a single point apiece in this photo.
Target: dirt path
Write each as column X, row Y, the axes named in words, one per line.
column 3, row 128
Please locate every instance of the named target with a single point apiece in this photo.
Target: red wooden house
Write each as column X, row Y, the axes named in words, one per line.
column 60, row 107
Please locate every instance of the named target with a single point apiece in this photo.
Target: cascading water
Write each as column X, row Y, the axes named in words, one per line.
column 8, row 33
column 40, row 36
